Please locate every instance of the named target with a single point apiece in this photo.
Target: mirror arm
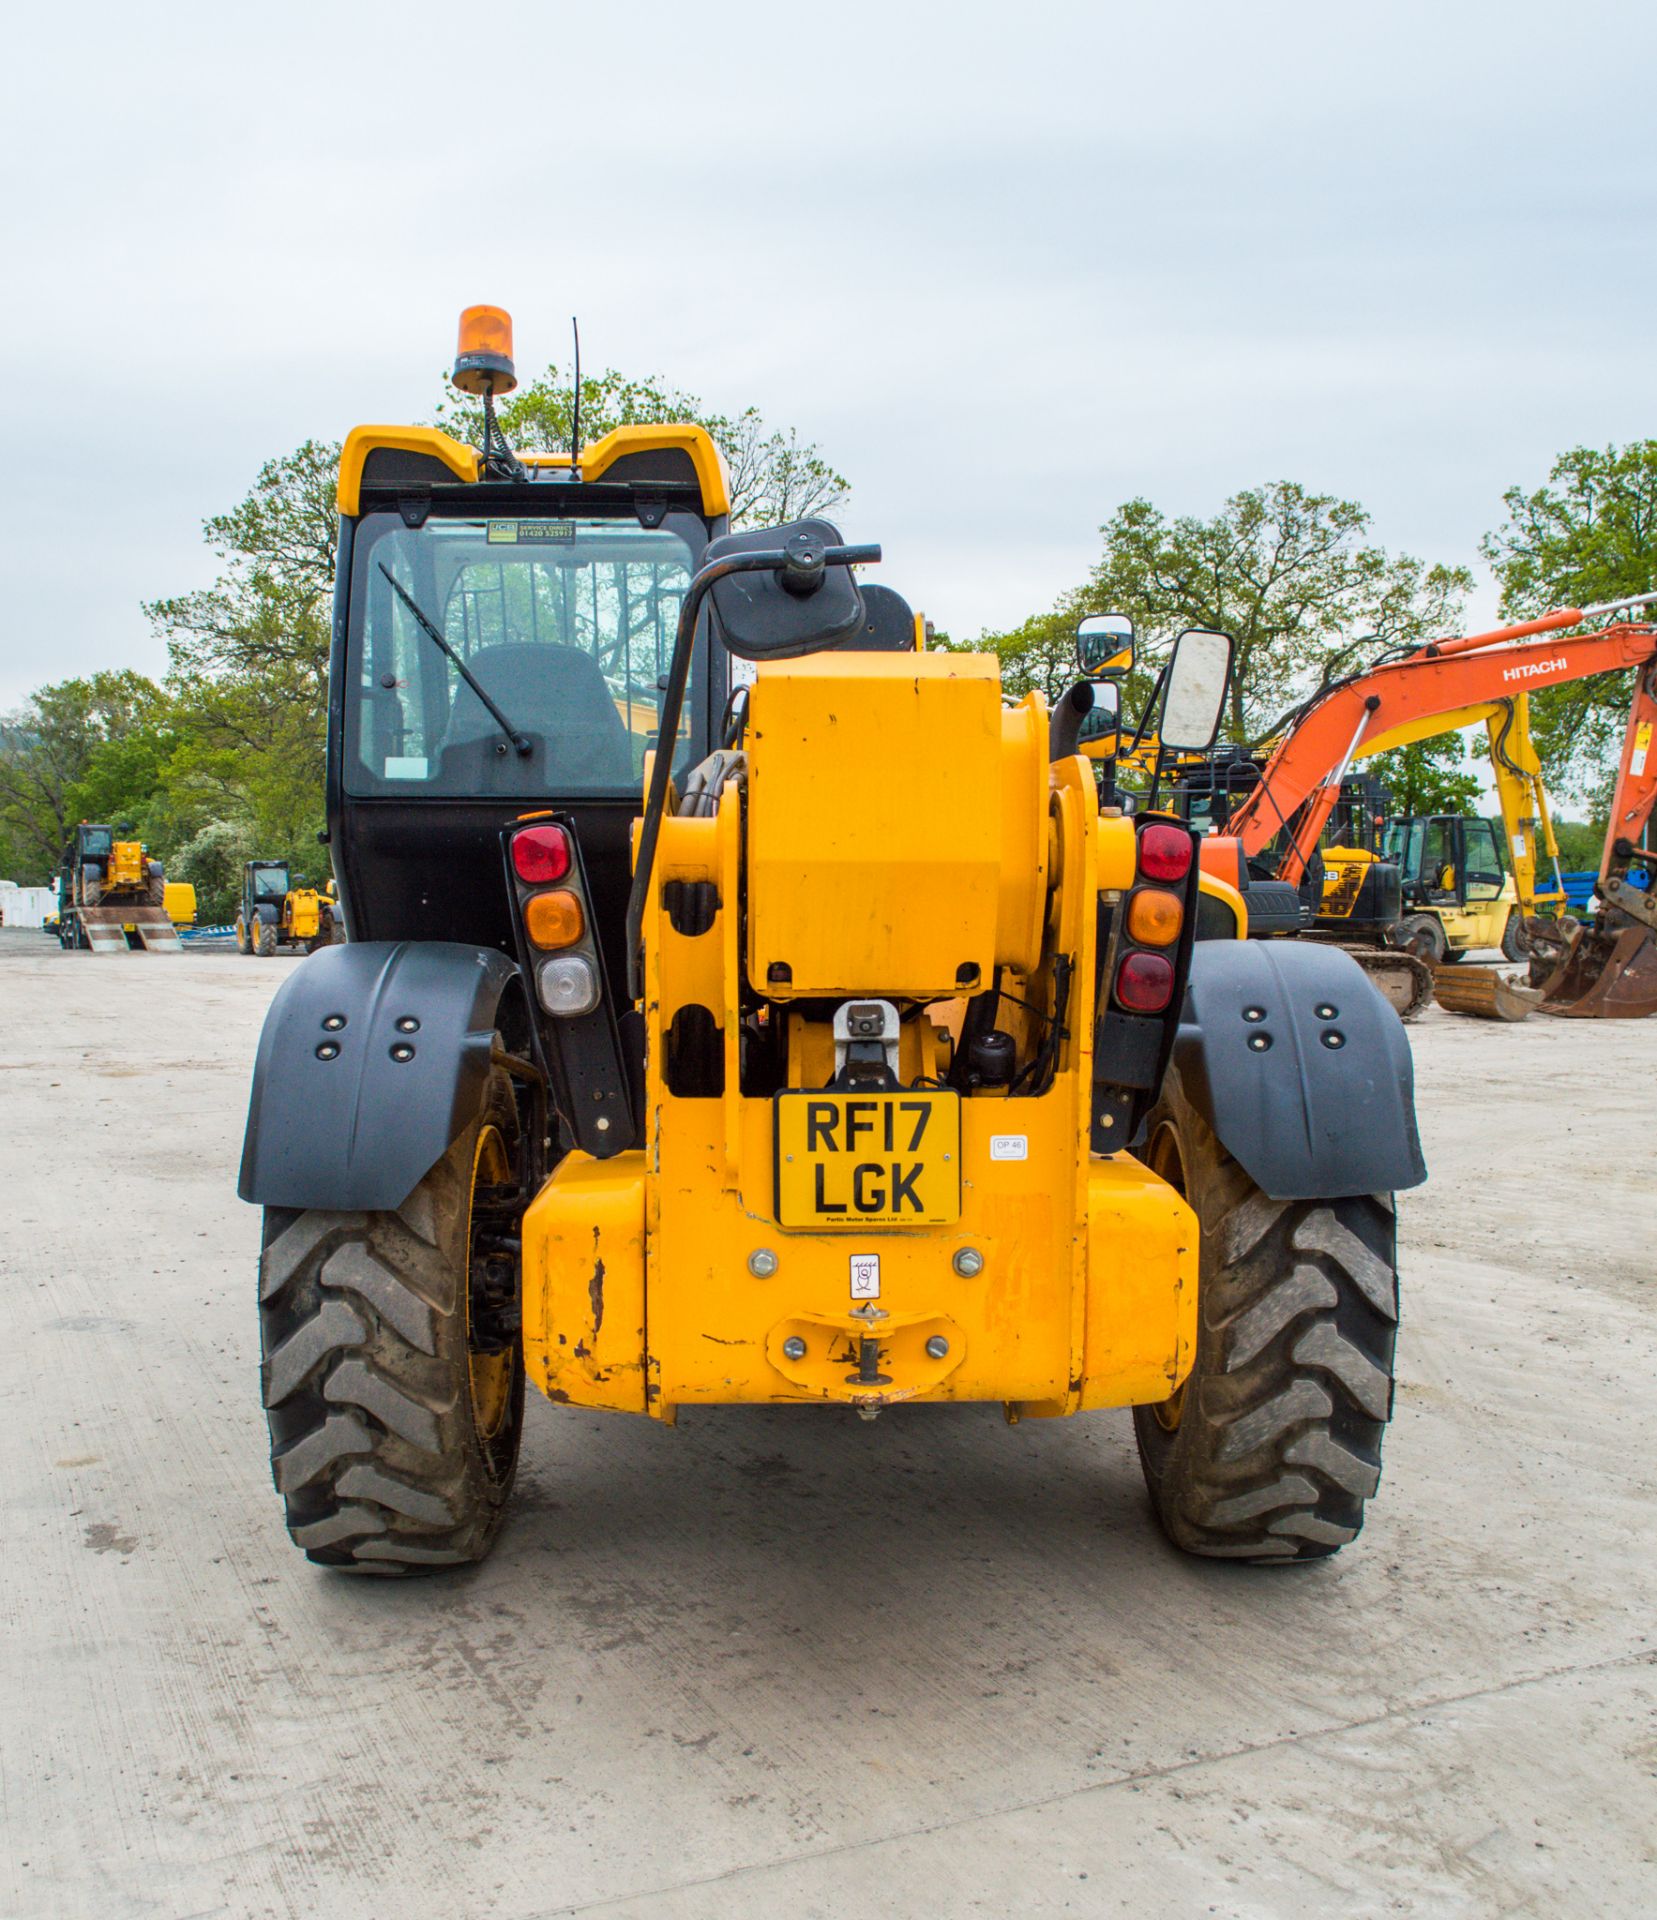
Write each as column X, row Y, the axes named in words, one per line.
column 1149, row 708
column 667, row 733
column 1156, row 777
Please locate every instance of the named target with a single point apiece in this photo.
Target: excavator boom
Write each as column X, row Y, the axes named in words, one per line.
column 1608, row 970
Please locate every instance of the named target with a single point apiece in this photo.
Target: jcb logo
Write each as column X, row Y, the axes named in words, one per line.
column 1533, row 667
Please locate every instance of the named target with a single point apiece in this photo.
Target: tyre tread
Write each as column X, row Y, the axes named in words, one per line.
column 373, row 1444
column 1278, row 1442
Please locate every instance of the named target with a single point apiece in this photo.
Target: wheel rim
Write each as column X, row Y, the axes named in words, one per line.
column 1168, row 1163
column 490, row 1372
column 1423, row 943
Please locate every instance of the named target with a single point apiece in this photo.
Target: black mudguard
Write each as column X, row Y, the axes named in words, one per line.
column 1325, row 1107
column 358, row 1129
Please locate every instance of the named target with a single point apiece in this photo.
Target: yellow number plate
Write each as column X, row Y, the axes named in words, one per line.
column 868, row 1159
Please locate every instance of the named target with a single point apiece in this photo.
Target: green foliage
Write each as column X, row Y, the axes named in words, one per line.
column 773, row 477
column 212, row 862
column 1581, row 843
column 1426, row 777
column 82, row 749
column 249, row 679
column 1290, row 574
column 1586, row 538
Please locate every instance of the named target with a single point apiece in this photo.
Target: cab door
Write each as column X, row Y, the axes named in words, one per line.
column 1482, row 888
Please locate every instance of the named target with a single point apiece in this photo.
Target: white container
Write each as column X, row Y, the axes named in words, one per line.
column 26, row 906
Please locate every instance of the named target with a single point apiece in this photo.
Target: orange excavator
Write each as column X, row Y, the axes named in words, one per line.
column 1608, row 966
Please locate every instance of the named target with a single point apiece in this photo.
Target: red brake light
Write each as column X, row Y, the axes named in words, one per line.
column 1164, row 853
column 540, row 855
column 1144, row 983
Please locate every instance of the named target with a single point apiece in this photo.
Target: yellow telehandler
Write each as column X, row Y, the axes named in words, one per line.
column 832, row 1046
column 111, row 895
column 276, row 912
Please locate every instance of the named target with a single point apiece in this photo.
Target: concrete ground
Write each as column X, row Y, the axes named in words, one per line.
column 781, row 1662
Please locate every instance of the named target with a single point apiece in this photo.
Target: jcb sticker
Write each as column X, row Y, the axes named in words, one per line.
column 1642, row 747
column 865, row 1276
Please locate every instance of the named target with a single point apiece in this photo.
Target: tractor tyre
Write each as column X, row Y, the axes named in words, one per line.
column 243, row 944
column 1271, row 1447
column 1516, row 941
column 264, row 936
column 155, row 884
column 394, row 1422
column 1423, row 935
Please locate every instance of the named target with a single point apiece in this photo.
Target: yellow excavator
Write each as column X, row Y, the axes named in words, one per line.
column 1463, row 890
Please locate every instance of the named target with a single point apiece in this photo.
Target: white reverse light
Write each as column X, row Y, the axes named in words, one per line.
column 567, row 985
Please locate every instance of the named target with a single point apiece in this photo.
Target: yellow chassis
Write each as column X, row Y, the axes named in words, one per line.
column 639, row 1285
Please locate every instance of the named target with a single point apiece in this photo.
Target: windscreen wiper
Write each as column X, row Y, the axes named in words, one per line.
column 520, row 741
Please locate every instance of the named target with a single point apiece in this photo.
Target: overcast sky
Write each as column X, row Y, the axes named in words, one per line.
column 1008, row 265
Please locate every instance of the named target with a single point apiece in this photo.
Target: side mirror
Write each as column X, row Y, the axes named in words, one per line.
column 1199, row 672
column 1103, row 720
column 778, row 613
column 1104, row 643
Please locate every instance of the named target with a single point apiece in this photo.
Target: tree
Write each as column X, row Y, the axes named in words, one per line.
column 1588, row 537
column 212, row 860
column 86, row 748
column 1425, row 776
column 774, row 478
column 249, row 660
column 1290, row 574
column 267, row 618
column 1580, row 843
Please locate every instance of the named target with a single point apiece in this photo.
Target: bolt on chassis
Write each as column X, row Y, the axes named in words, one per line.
column 869, row 1060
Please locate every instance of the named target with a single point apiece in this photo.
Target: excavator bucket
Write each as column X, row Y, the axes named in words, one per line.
column 1609, row 975
column 1485, row 992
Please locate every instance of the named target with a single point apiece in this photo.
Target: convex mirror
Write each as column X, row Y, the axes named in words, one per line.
column 1199, row 672
column 777, row 613
column 1102, row 722
column 1104, row 643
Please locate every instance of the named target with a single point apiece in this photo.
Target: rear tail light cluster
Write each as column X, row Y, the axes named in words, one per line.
column 1144, row 961
column 555, row 920
column 1153, row 920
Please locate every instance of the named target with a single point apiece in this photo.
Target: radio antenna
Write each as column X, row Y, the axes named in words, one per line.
column 575, row 414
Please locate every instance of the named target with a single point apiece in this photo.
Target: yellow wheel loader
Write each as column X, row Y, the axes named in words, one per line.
column 826, row 1044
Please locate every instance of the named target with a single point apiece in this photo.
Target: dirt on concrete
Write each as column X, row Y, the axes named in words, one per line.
column 782, row 1662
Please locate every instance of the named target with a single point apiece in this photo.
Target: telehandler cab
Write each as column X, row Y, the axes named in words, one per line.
column 869, row 1061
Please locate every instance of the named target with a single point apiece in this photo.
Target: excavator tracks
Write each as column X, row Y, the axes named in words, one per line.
column 1403, row 981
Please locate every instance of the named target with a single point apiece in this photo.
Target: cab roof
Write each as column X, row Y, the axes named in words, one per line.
column 393, row 459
